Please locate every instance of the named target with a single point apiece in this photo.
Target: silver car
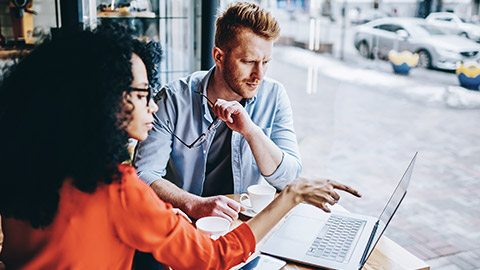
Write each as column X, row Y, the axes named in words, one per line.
column 436, row 48
column 451, row 22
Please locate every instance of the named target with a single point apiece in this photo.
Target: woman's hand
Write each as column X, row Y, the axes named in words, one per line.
column 317, row 192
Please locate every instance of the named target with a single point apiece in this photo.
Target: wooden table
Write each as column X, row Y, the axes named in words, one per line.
column 386, row 255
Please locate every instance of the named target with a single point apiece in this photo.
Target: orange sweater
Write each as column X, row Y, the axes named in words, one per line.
column 102, row 230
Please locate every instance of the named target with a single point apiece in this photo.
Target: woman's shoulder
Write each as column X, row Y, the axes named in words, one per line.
column 131, row 198
column 127, row 170
column 131, row 186
column 129, row 176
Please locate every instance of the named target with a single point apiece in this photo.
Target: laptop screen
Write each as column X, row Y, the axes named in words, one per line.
column 392, row 206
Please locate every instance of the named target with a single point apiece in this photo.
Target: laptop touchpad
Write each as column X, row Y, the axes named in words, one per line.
column 300, row 229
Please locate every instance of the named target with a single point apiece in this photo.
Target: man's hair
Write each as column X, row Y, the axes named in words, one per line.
column 61, row 112
column 243, row 15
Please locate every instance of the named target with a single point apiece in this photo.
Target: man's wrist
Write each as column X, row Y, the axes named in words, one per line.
column 191, row 203
column 168, row 192
column 253, row 132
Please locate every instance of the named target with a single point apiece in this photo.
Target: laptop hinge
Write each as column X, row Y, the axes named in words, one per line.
column 369, row 243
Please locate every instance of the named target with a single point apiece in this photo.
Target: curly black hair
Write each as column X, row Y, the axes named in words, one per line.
column 61, row 111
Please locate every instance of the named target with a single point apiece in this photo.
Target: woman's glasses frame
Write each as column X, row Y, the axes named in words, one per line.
column 149, row 90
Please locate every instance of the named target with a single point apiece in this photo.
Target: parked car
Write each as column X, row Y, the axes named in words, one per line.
column 451, row 22
column 435, row 47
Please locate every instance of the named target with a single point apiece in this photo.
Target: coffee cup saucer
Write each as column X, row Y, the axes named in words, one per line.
column 249, row 213
column 248, row 208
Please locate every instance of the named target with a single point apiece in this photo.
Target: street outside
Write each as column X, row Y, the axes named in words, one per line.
column 360, row 124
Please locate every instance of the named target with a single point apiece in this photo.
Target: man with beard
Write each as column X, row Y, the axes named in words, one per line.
column 220, row 131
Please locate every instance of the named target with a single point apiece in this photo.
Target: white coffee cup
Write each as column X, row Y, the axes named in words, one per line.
column 259, row 195
column 213, row 226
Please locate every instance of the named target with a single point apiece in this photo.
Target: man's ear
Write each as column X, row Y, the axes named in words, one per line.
column 218, row 56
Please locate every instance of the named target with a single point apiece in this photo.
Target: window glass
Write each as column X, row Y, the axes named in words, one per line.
column 359, row 121
column 389, row 27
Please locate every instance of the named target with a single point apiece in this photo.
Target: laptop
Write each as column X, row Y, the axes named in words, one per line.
column 336, row 240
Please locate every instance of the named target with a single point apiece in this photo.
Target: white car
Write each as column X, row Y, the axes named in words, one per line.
column 435, row 48
column 451, row 22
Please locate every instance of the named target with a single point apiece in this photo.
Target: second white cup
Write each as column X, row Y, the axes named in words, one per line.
column 259, row 195
column 213, row 226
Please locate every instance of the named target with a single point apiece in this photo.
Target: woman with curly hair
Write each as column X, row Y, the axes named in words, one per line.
column 67, row 112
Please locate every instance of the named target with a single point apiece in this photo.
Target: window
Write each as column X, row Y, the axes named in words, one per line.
column 389, row 27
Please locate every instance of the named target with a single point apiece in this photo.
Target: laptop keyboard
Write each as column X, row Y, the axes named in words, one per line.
column 335, row 239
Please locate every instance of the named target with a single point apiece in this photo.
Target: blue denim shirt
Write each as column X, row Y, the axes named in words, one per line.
column 163, row 156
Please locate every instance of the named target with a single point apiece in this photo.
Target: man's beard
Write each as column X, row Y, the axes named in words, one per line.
column 228, row 77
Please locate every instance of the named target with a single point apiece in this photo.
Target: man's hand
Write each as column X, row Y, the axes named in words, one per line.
column 234, row 115
column 196, row 206
column 220, row 206
column 318, row 192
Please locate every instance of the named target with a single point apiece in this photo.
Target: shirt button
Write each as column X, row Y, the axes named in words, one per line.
column 204, row 152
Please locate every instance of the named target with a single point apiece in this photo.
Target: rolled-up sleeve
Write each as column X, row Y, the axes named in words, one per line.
column 283, row 135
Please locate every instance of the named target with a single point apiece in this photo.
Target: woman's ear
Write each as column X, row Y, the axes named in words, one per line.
column 126, row 106
column 125, row 97
column 127, row 100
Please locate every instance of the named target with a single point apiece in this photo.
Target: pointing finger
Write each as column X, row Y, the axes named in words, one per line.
column 345, row 188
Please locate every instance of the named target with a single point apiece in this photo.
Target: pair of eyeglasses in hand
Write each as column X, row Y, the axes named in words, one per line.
column 201, row 139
